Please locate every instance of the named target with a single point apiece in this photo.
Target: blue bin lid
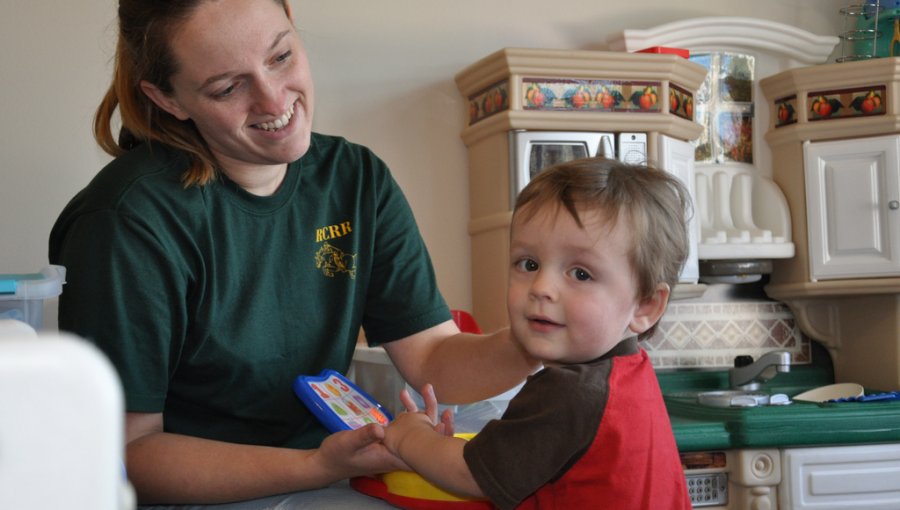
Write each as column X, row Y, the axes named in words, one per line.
column 47, row 283
column 10, row 282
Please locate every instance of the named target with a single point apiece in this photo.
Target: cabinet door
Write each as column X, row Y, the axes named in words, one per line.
column 677, row 157
column 865, row 477
column 852, row 193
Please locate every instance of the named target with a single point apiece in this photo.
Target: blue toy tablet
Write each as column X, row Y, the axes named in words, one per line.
column 338, row 403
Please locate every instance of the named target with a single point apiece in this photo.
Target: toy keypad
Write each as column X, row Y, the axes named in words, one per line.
column 338, row 403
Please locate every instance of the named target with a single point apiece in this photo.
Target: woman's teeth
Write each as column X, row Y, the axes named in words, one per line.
column 279, row 122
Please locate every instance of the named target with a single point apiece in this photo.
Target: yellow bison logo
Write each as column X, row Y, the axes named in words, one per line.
column 332, row 260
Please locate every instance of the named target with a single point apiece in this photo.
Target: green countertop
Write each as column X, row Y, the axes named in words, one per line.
column 700, row 427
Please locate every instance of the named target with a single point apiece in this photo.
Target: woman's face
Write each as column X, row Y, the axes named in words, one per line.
column 244, row 81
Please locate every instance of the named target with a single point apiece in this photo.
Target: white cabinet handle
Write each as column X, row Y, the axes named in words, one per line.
column 893, row 205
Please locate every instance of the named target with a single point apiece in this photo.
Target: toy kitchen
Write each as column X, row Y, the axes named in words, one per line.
column 794, row 167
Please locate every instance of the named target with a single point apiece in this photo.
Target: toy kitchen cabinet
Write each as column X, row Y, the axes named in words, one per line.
column 835, row 139
column 852, row 207
column 604, row 93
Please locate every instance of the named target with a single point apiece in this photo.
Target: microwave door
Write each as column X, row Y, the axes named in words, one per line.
column 543, row 156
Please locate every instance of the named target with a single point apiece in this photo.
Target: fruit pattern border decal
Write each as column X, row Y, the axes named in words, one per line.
column 845, row 103
column 582, row 95
column 494, row 99
column 681, row 102
column 591, row 95
column 785, row 111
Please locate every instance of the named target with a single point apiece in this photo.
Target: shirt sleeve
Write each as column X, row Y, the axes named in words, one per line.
column 125, row 293
column 547, row 427
column 403, row 297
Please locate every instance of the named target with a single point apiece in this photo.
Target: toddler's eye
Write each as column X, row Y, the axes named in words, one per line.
column 528, row 265
column 580, row 274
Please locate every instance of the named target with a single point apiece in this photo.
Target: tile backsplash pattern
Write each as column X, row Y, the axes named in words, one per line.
column 711, row 334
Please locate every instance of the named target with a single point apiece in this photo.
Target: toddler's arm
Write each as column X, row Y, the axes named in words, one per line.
column 418, row 439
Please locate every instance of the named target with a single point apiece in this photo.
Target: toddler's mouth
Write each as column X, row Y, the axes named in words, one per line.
column 543, row 321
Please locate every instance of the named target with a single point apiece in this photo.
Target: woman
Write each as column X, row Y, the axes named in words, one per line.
column 228, row 249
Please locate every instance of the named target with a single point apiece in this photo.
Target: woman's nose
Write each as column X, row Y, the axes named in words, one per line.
column 269, row 99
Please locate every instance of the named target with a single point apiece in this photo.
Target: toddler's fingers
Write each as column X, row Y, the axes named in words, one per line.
column 447, row 422
column 408, row 402
column 431, row 405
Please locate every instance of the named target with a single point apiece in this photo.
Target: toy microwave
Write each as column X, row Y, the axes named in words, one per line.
column 532, row 151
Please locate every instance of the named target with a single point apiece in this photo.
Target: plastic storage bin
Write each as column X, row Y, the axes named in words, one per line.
column 372, row 370
column 22, row 296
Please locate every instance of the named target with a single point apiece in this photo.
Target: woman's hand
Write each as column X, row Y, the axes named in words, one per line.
column 161, row 464
column 357, row 452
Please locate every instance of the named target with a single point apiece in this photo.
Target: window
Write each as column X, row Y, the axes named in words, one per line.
column 724, row 106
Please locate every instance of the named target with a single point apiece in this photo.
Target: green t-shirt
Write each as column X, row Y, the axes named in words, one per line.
column 210, row 301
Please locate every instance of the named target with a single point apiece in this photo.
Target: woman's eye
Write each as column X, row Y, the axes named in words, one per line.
column 222, row 94
column 528, row 265
column 284, row 56
column 580, row 274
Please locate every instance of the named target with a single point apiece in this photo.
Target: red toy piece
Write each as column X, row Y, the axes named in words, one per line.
column 681, row 52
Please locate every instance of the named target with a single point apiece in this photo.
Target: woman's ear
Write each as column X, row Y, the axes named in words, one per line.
column 163, row 100
column 650, row 309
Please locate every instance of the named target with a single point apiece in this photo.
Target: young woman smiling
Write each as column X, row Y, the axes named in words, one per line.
column 227, row 249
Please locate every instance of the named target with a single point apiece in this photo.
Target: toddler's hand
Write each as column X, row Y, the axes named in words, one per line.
column 415, row 422
column 445, row 425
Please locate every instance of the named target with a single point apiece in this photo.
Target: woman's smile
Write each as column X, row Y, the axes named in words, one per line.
column 279, row 122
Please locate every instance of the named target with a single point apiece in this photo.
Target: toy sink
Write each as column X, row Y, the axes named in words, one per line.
column 701, row 424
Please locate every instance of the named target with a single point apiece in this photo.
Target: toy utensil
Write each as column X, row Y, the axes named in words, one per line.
column 896, row 38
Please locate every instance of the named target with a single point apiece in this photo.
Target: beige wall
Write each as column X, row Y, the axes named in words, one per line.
column 384, row 75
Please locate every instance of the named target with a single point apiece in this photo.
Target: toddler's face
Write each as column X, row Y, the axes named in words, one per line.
column 572, row 291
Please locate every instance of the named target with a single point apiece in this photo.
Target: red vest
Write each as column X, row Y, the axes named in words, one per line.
column 633, row 462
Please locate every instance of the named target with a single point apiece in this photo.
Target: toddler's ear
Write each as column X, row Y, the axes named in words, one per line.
column 650, row 309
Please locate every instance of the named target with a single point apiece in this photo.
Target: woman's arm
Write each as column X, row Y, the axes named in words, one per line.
column 177, row 469
column 463, row 367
